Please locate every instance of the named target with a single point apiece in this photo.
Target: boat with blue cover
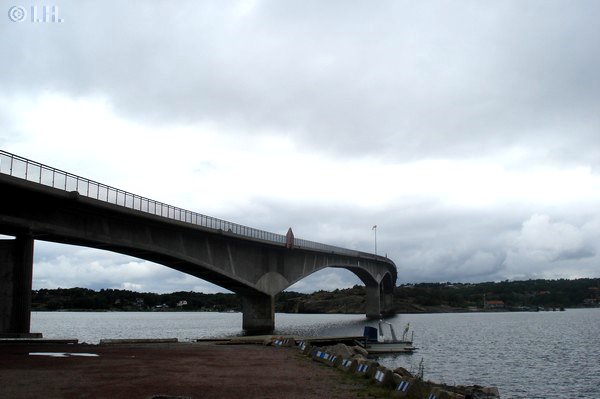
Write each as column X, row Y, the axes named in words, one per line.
column 384, row 339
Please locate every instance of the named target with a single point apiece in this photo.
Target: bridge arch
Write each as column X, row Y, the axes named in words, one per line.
column 379, row 288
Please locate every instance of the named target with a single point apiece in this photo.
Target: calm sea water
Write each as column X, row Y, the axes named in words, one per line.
column 526, row 355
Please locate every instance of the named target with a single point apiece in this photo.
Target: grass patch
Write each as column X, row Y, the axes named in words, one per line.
column 364, row 387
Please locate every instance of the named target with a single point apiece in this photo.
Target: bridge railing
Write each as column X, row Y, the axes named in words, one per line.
column 32, row 171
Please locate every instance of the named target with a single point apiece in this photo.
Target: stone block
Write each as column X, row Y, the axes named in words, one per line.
column 347, row 364
column 366, row 368
column 403, row 386
column 340, row 350
column 383, row 377
column 284, row 342
column 359, row 350
column 334, row 360
column 321, row 356
column 304, row 347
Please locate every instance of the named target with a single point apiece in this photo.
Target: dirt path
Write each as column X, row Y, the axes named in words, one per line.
column 183, row 369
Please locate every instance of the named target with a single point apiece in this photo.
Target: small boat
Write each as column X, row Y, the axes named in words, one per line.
column 378, row 341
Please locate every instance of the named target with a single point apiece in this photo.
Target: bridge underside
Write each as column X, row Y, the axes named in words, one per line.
column 16, row 270
column 255, row 269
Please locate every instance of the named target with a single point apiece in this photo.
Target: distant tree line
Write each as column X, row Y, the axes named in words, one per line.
column 423, row 297
column 513, row 294
column 112, row 299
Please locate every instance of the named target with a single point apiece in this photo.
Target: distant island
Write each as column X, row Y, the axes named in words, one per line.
column 409, row 298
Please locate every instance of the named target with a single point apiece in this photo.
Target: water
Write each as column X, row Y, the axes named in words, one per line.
column 526, row 355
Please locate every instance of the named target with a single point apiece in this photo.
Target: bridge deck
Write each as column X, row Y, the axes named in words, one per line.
column 26, row 169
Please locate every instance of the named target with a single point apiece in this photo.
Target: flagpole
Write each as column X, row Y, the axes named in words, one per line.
column 375, row 230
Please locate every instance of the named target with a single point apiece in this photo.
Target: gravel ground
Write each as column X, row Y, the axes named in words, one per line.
column 194, row 370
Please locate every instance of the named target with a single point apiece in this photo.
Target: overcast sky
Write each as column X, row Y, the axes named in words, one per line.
column 467, row 131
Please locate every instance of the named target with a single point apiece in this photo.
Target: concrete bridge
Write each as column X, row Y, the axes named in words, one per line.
column 38, row 202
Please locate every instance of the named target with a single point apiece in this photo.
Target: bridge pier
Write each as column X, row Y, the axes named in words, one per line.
column 258, row 314
column 388, row 304
column 379, row 302
column 16, row 272
column 373, row 301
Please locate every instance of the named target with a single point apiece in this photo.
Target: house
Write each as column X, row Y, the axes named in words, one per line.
column 494, row 304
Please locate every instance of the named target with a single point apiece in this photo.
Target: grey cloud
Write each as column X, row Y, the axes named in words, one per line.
column 400, row 79
column 427, row 244
column 581, row 253
column 434, row 244
column 11, row 133
column 397, row 81
column 64, row 266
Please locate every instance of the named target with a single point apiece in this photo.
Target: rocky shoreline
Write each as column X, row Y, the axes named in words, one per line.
column 400, row 382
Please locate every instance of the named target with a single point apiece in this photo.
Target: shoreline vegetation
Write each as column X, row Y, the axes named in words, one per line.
column 529, row 295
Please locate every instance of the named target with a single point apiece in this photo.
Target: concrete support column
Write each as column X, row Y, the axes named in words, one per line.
column 16, row 272
column 373, row 305
column 258, row 314
column 388, row 304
